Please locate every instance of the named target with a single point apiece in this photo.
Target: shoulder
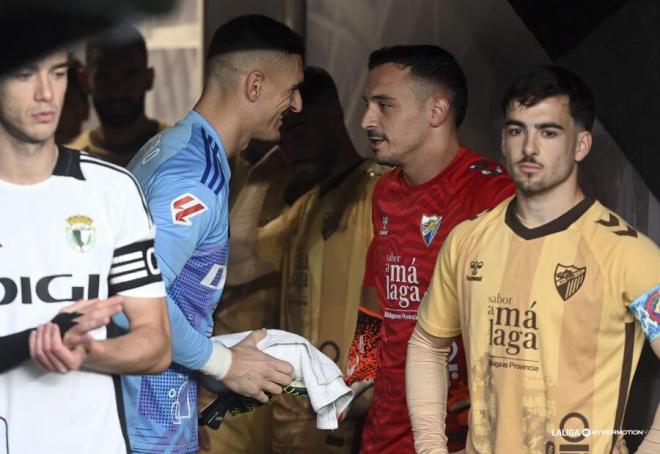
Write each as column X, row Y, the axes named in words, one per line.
column 99, row 171
column 372, row 169
column 480, row 181
column 476, row 170
column 183, row 152
column 478, row 225
column 611, row 236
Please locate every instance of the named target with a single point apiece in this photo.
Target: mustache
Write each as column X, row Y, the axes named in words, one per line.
column 529, row 160
column 376, row 135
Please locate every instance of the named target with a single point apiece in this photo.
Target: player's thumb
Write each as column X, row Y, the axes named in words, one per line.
column 255, row 336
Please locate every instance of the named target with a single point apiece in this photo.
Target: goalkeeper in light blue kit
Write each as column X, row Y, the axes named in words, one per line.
column 254, row 68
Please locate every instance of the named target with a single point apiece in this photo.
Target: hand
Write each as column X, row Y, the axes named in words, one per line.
column 52, row 353
column 253, row 373
column 48, row 351
column 94, row 314
column 620, row 447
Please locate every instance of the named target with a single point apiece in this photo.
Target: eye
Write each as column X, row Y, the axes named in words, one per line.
column 24, row 74
column 549, row 134
column 383, row 106
column 60, row 73
column 513, row 131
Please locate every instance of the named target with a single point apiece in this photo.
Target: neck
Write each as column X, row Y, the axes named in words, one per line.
column 222, row 114
column 427, row 161
column 119, row 139
column 26, row 163
column 535, row 210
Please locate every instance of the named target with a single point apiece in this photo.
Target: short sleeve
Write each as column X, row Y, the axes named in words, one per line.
column 439, row 313
column 134, row 270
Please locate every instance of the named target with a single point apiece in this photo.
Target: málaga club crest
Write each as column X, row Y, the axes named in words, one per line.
column 80, row 232
column 429, row 227
column 569, row 279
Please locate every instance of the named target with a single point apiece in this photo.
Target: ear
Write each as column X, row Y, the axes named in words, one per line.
column 583, row 146
column 150, row 78
column 254, row 84
column 439, row 112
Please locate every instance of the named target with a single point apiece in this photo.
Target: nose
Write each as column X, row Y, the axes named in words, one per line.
column 368, row 119
column 296, row 102
column 44, row 89
column 529, row 145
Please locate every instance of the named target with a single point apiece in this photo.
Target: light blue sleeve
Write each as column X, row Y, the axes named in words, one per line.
column 646, row 309
column 184, row 211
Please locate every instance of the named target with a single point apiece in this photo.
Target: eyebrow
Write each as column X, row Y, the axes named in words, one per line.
column 545, row 125
column 64, row 64
column 378, row 98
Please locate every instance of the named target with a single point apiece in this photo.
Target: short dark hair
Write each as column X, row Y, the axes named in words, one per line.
column 431, row 64
column 118, row 39
column 254, row 32
column 547, row 82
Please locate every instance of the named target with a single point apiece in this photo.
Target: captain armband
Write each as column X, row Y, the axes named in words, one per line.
column 646, row 309
column 363, row 353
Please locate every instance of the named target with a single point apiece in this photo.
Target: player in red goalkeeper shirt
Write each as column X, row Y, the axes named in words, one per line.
column 416, row 99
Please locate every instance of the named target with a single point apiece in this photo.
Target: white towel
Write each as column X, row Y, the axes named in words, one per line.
column 323, row 379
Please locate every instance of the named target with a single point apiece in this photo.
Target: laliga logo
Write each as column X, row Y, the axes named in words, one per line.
column 577, row 431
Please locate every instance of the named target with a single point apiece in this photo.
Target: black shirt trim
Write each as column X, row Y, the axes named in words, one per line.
column 68, row 164
column 557, row 225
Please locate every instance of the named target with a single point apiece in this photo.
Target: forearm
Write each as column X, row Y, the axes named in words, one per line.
column 363, row 352
column 144, row 350
column 190, row 348
column 15, row 348
column 426, row 390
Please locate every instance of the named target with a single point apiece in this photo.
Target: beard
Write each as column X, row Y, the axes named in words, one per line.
column 119, row 113
column 534, row 187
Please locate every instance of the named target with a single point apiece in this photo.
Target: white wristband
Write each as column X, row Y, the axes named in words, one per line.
column 219, row 362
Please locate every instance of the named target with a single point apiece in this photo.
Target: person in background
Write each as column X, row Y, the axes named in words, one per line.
column 117, row 76
column 75, row 110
